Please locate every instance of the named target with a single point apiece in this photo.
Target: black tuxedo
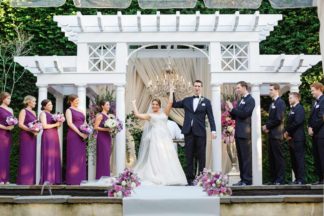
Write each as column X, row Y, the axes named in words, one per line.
column 194, row 129
column 242, row 115
column 275, row 125
column 295, row 129
column 316, row 122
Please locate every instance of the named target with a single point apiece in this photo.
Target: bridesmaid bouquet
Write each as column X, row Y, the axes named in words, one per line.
column 125, row 183
column 85, row 128
column 215, row 184
column 35, row 126
column 114, row 124
column 11, row 120
column 58, row 117
column 228, row 125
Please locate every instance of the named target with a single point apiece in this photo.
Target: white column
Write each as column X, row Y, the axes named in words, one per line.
column 256, row 137
column 121, row 136
column 294, row 87
column 42, row 94
column 82, row 94
column 217, row 143
column 120, row 144
column 82, row 57
column 59, row 108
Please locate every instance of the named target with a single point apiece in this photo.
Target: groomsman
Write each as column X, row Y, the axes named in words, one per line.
column 274, row 127
column 295, row 134
column 242, row 115
column 316, row 129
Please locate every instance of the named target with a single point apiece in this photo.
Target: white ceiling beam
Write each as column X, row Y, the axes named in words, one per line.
column 38, row 67
column 139, row 22
column 119, row 17
column 57, row 65
column 237, row 20
column 79, row 18
column 279, row 63
column 298, row 63
column 177, row 21
column 216, row 21
column 197, row 20
column 158, row 21
column 256, row 20
column 99, row 19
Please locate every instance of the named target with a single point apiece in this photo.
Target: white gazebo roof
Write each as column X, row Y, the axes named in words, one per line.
column 75, row 25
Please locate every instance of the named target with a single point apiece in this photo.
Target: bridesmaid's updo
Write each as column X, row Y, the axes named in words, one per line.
column 101, row 104
column 71, row 98
column 157, row 100
column 44, row 103
column 3, row 96
column 27, row 99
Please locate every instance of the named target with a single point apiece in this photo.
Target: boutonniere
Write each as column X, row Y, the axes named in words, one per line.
column 201, row 99
column 317, row 106
column 242, row 102
column 273, row 106
column 292, row 113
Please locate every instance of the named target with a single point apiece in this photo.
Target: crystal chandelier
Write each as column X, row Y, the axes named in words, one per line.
column 160, row 87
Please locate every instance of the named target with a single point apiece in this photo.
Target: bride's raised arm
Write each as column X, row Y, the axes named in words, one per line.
column 139, row 115
column 170, row 102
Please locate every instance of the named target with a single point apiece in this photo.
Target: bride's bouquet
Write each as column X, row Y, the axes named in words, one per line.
column 215, row 184
column 58, row 117
column 125, row 183
column 11, row 121
column 35, row 126
column 114, row 124
column 228, row 126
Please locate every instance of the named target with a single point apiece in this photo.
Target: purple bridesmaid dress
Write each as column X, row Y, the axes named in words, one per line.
column 5, row 144
column 103, row 151
column 27, row 153
column 75, row 152
column 50, row 154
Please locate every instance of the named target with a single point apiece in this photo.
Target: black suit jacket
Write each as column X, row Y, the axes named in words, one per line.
column 242, row 115
column 316, row 120
column 197, row 117
column 275, row 123
column 295, row 123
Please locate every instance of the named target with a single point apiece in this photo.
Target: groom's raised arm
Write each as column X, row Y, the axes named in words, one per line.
column 210, row 116
column 177, row 104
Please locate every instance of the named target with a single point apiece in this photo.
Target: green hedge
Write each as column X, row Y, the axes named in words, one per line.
column 297, row 33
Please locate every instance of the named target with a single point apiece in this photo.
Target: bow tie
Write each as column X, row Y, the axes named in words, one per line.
column 195, row 96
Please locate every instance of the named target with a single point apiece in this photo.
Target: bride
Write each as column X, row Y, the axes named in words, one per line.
column 158, row 162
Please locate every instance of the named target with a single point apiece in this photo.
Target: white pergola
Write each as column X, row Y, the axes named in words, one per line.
column 105, row 44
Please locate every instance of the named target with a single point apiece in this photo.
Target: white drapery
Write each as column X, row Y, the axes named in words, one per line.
column 140, row 71
column 320, row 10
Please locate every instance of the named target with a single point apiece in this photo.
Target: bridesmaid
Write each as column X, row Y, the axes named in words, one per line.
column 103, row 141
column 27, row 144
column 5, row 137
column 50, row 151
column 76, row 146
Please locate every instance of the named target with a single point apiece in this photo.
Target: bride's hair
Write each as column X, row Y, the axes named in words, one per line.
column 157, row 100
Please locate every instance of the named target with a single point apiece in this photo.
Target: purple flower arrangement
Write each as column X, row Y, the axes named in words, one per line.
column 114, row 124
column 58, row 117
column 125, row 183
column 85, row 128
column 35, row 126
column 11, row 121
column 214, row 184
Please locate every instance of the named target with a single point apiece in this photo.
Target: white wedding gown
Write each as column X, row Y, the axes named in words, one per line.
column 158, row 161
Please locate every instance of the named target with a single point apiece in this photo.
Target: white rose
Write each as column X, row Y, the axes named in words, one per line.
column 123, row 183
column 133, row 185
column 230, row 129
column 119, row 194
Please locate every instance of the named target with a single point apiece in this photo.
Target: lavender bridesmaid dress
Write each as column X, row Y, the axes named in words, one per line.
column 75, row 152
column 5, row 144
column 103, row 151
column 27, row 153
column 50, row 154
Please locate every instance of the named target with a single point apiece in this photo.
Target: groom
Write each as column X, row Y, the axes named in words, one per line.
column 196, row 108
